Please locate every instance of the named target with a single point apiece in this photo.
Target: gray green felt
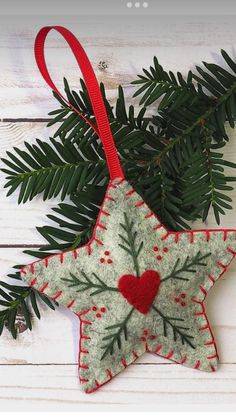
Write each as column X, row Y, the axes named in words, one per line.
column 175, row 326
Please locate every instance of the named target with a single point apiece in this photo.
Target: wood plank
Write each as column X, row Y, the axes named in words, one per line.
column 120, row 47
column 153, row 387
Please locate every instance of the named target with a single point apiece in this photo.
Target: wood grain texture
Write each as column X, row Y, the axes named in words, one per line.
column 125, row 46
column 141, row 387
column 39, row 370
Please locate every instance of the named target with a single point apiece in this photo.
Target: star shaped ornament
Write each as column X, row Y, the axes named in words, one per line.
column 135, row 286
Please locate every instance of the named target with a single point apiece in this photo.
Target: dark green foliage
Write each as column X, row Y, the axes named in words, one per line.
column 172, row 90
column 52, row 168
column 208, row 165
column 74, row 222
column 171, row 158
column 74, row 157
column 179, row 95
column 19, row 300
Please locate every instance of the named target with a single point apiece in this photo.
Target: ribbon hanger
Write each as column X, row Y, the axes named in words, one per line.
column 103, row 128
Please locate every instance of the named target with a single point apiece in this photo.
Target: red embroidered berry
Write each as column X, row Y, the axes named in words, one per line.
column 183, row 304
column 177, row 299
column 165, row 249
column 155, row 248
column 94, row 308
column 103, row 310
column 159, row 257
column 98, row 315
column 109, row 261
column 183, row 295
column 145, row 332
column 152, row 337
column 107, row 253
column 102, row 260
column 143, row 339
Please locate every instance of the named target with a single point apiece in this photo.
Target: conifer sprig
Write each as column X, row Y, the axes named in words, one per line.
column 19, row 299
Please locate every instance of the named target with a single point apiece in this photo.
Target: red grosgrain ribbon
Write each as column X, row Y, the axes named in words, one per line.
column 103, row 127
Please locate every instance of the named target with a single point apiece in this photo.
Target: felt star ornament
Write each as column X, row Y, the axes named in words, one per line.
column 136, row 286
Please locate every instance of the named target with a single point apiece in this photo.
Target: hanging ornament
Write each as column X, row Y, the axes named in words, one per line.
column 135, row 286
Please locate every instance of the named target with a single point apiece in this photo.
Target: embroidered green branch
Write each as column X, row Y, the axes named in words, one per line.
column 177, row 330
column 130, row 245
column 86, row 283
column 188, row 266
column 115, row 338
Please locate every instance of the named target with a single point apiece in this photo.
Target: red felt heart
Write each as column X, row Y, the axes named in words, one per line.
column 140, row 291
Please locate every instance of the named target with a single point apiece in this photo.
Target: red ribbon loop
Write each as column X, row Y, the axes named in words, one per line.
column 103, row 127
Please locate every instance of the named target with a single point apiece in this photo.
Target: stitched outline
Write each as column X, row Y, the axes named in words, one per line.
column 177, row 235
column 84, row 351
column 211, row 342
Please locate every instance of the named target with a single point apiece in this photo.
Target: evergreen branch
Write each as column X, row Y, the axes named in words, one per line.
column 157, row 83
column 205, row 184
column 81, row 101
column 162, row 194
column 130, row 242
column 177, row 330
column 205, row 117
column 74, row 222
column 184, row 115
column 88, row 284
column 188, row 266
column 51, row 168
column 19, row 301
column 115, row 338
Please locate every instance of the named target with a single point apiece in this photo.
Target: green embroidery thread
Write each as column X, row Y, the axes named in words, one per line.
column 187, row 264
column 88, row 284
column 116, row 337
column 130, row 242
column 176, row 329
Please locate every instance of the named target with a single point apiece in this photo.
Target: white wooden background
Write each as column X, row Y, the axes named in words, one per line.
column 39, row 369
